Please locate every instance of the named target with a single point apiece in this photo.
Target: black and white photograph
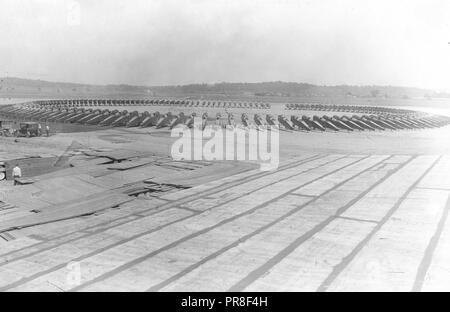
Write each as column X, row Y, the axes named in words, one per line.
column 224, row 146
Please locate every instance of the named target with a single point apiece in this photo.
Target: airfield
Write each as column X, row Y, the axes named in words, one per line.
column 346, row 210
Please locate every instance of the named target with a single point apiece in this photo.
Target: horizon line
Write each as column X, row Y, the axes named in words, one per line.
column 228, row 82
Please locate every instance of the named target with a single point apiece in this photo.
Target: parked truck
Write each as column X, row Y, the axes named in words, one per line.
column 28, row 129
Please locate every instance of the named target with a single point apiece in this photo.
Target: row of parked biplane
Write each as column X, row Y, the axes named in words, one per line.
column 154, row 102
column 359, row 109
column 114, row 118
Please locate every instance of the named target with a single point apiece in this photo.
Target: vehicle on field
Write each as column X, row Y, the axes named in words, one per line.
column 6, row 128
column 28, row 129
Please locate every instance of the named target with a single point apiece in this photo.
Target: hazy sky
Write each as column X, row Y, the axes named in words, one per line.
column 159, row 42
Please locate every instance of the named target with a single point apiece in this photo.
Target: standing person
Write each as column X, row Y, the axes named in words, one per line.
column 218, row 122
column 17, row 173
column 39, row 130
column 47, row 129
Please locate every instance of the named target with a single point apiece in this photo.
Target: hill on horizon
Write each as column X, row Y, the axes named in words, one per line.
column 20, row 87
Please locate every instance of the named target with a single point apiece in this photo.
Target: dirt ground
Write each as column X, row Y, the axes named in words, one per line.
column 292, row 143
column 327, row 219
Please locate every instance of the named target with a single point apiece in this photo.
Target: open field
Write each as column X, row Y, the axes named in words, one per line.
column 345, row 211
column 326, row 222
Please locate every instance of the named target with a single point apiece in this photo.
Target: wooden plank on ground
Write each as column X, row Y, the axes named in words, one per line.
column 152, row 271
column 318, row 187
column 124, row 177
column 252, row 185
column 129, row 164
column 390, row 260
column 19, row 243
column 378, row 201
column 258, row 250
column 62, row 189
column 439, row 176
column 24, row 197
column 65, row 252
column 61, row 212
column 310, row 264
column 437, row 276
column 119, row 154
column 222, row 181
column 155, row 269
column 144, row 244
